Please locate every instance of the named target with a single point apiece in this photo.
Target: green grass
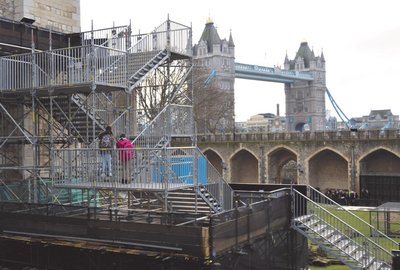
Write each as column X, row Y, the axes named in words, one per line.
column 355, row 223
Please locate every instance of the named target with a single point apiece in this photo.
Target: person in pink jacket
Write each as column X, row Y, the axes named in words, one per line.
column 125, row 154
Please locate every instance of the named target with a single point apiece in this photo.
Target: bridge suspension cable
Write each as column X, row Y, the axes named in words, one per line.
column 339, row 111
column 210, row 77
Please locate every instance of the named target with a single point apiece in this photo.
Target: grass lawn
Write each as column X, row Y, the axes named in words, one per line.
column 355, row 223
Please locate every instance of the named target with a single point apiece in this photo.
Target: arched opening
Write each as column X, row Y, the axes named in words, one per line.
column 328, row 170
column 299, row 127
column 215, row 160
column 380, row 161
column 380, row 177
column 282, row 166
column 244, row 167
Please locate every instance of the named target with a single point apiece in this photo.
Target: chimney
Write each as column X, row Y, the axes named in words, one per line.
column 277, row 109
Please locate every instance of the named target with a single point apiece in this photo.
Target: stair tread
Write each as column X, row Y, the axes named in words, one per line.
column 190, row 207
column 335, row 238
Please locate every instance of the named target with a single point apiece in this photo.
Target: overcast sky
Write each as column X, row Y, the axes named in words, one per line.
column 360, row 41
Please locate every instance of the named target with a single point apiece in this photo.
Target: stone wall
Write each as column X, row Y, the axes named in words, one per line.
column 324, row 159
column 61, row 15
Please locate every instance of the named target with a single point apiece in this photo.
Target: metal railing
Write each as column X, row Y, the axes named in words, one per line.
column 171, row 168
column 83, row 168
column 113, row 37
column 173, row 120
column 373, row 243
column 169, row 35
column 63, row 67
column 216, row 185
column 361, row 225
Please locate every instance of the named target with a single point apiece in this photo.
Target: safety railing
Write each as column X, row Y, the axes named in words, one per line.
column 191, row 159
column 108, row 169
column 373, row 247
column 215, row 184
column 64, row 67
column 361, row 225
column 169, row 35
column 172, row 168
column 113, row 37
column 173, row 120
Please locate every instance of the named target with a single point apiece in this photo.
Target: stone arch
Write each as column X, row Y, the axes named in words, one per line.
column 380, row 175
column 282, row 165
column 215, row 159
column 299, row 126
column 379, row 160
column 327, row 169
column 244, row 167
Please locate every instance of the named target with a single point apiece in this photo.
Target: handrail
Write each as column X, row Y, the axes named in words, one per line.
column 326, row 200
column 329, row 217
column 224, row 193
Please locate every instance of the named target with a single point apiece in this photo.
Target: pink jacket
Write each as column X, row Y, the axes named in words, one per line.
column 126, row 154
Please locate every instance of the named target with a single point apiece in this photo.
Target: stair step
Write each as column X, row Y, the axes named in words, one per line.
column 320, row 227
column 311, row 222
column 334, row 238
column 350, row 249
column 191, row 209
column 358, row 255
column 327, row 233
column 343, row 244
column 302, row 219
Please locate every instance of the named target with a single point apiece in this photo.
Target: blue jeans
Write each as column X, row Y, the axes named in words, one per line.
column 106, row 162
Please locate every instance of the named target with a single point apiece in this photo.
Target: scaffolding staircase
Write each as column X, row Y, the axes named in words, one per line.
column 139, row 70
column 327, row 224
column 77, row 115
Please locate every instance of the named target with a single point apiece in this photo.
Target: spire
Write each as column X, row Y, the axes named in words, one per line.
column 322, row 56
column 286, row 59
column 210, row 35
column 305, row 53
column 209, row 19
column 230, row 43
column 312, row 53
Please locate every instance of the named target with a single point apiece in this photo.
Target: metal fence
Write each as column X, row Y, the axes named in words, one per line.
column 170, row 35
column 64, row 67
column 147, row 169
column 176, row 120
column 372, row 241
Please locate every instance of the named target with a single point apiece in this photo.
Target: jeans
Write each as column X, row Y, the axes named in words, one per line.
column 106, row 162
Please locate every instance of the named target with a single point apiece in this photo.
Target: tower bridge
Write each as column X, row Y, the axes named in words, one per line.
column 270, row 74
column 304, row 79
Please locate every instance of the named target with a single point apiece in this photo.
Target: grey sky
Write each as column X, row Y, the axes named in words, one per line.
column 360, row 40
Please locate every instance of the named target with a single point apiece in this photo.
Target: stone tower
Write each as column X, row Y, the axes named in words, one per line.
column 61, row 15
column 305, row 101
column 216, row 57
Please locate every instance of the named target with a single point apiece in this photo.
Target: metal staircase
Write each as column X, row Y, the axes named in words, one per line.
column 140, row 70
column 187, row 200
column 327, row 224
column 76, row 114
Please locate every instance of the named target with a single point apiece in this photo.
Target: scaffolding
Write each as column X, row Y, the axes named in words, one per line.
column 54, row 103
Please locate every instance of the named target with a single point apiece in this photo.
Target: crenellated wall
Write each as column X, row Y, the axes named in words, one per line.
column 322, row 159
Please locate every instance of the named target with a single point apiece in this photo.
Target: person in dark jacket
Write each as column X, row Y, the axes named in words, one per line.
column 106, row 145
